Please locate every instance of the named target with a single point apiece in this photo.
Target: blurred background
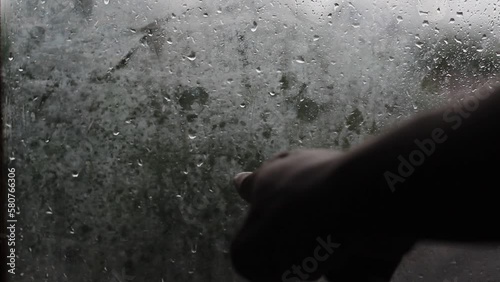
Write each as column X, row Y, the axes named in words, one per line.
column 127, row 119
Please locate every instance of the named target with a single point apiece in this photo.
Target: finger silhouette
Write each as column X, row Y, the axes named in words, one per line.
column 243, row 183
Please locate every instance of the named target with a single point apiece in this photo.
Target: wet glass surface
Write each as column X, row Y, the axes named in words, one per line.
column 126, row 120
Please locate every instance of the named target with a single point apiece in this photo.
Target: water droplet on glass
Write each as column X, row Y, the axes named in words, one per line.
column 452, row 20
column 49, row 211
column 316, row 38
column 167, row 99
column 139, row 162
column 21, row 69
column 399, row 19
column 300, row 60
column 425, row 23
column 191, row 56
column 423, row 13
column 498, row 54
column 460, row 14
column 194, row 248
column 185, row 172
column 205, row 15
column 419, row 44
column 11, row 57
column 458, row 40
column 178, row 196
column 391, row 58
column 258, row 70
column 243, row 105
column 272, row 94
column 106, row 2
column 71, row 230
column 192, row 136
column 169, row 40
column 116, row 133
column 254, row 27
column 355, row 25
column 480, row 49
column 75, row 174
column 200, row 164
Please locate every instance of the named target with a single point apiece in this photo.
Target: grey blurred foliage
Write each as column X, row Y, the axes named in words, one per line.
column 126, row 129
column 84, row 7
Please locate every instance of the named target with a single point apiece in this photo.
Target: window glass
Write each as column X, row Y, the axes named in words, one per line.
column 126, row 119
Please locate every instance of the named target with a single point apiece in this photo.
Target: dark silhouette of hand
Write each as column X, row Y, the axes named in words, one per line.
column 351, row 216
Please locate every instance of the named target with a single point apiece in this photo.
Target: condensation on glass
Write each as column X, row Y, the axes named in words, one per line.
column 126, row 120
